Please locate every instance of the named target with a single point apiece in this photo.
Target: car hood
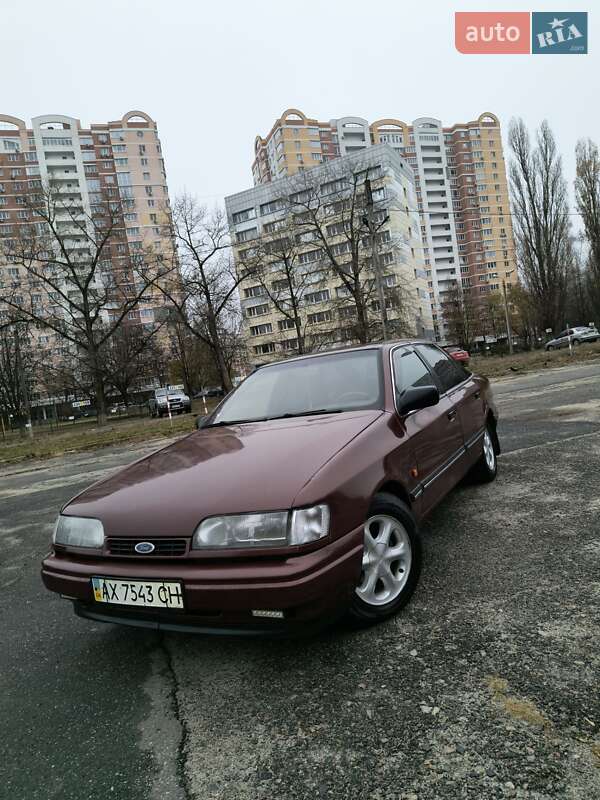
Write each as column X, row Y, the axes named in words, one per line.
column 225, row 470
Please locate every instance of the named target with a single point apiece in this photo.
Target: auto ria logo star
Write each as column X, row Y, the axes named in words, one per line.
column 557, row 33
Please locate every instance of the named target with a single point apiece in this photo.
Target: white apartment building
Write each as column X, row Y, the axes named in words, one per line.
column 253, row 215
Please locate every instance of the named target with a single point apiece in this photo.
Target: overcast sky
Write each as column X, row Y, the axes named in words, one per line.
column 214, row 74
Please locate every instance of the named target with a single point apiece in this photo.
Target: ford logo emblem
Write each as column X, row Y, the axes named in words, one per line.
column 144, row 547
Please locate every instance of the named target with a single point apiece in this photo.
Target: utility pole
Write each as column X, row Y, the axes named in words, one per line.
column 369, row 222
column 508, row 325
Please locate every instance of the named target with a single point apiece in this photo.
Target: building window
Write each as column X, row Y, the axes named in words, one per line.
column 316, row 297
column 247, row 235
column 255, row 291
column 320, row 316
column 257, row 311
column 260, row 330
column 286, row 324
column 263, row 349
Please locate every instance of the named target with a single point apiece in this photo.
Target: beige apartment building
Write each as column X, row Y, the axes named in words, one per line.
column 117, row 164
column 461, row 186
column 257, row 218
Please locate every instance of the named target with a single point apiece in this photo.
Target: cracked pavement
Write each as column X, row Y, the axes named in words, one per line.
column 485, row 686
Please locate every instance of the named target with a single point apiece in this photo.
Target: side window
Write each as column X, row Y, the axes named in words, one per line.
column 409, row 371
column 445, row 369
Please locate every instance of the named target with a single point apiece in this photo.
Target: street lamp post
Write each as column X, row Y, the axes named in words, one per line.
column 507, row 315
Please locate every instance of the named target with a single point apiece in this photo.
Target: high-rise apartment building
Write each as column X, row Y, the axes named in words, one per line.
column 260, row 217
column 461, row 184
column 113, row 168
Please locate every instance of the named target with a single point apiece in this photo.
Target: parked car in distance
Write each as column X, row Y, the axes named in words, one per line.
column 169, row 398
column 298, row 500
column 118, row 408
column 458, row 354
column 577, row 335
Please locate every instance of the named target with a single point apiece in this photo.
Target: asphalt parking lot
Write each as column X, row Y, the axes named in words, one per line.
column 485, row 686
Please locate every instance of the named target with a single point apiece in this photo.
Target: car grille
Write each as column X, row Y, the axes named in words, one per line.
column 162, row 547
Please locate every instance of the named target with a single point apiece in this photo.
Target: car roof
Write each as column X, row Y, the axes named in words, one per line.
column 384, row 346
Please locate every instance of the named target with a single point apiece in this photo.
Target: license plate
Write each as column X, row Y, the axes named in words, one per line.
column 150, row 594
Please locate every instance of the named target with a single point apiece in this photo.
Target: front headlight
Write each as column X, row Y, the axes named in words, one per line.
column 309, row 524
column 78, row 532
column 271, row 529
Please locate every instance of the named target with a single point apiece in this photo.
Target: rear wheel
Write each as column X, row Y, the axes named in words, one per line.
column 391, row 561
column 486, row 469
column 576, row 342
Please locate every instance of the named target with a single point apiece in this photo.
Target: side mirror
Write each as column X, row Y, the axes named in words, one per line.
column 417, row 397
column 200, row 421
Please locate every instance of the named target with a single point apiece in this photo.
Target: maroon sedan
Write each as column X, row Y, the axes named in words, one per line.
column 299, row 498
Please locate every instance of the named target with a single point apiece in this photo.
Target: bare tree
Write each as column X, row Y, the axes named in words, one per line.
column 205, row 297
column 461, row 315
column 16, row 374
column 332, row 220
column 587, row 194
column 541, row 216
column 277, row 262
column 129, row 356
column 77, row 277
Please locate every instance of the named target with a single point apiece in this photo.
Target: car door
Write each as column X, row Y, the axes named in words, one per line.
column 464, row 393
column 435, row 435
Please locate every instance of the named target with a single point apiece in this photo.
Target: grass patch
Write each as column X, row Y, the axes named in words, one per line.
column 88, row 436
column 537, row 360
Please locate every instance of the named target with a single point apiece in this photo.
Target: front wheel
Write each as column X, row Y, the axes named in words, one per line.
column 549, row 347
column 486, row 469
column 391, row 562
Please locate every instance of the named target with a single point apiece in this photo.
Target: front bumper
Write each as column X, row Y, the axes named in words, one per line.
column 219, row 596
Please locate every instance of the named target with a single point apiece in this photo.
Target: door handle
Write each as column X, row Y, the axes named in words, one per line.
column 451, row 415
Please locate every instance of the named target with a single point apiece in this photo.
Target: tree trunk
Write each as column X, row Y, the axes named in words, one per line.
column 98, row 388
column 298, row 324
column 363, row 322
column 220, row 362
column 222, row 367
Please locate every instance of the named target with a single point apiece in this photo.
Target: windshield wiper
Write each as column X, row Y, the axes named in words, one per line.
column 291, row 414
column 224, row 422
column 287, row 415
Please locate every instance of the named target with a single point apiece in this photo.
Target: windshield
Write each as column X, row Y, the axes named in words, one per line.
column 332, row 382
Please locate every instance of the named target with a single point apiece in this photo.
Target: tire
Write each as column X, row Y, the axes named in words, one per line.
column 549, row 347
column 576, row 342
column 369, row 604
column 486, row 469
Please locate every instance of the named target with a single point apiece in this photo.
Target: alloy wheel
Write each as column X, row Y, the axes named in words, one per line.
column 488, row 452
column 387, row 559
